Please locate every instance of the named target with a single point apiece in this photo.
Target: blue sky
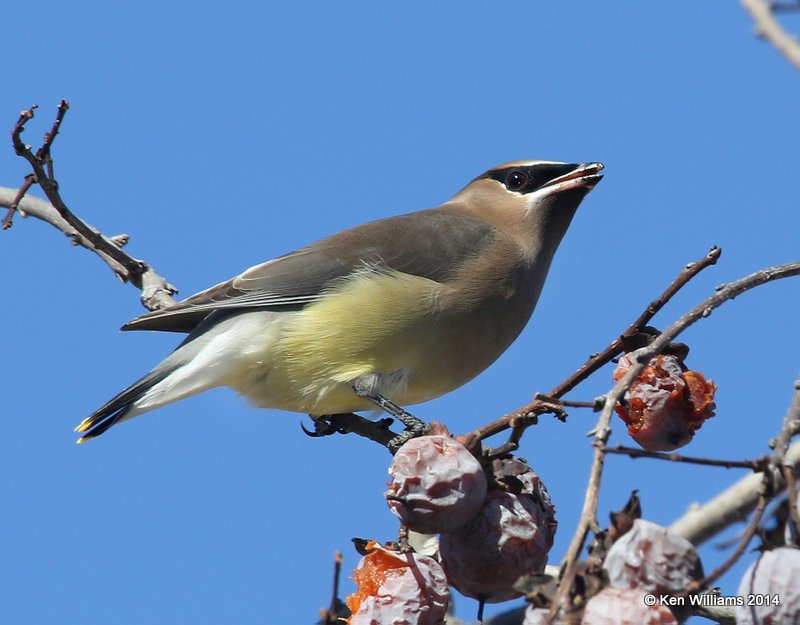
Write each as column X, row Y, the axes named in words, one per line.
column 219, row 137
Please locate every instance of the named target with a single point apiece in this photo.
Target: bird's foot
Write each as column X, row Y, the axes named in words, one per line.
column 378, row 431
column 346, row 423
column 414, row 426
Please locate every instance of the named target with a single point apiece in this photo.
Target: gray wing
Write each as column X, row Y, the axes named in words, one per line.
column 431, row 244
column 287, row 282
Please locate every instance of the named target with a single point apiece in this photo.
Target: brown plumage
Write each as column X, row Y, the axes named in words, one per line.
column 409, row 307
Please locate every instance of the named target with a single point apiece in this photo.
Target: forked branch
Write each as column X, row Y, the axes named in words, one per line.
column 588, row 518
column 156, row 292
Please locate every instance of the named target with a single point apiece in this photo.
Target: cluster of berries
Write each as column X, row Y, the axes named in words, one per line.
column 495, row 523
column 492, row 530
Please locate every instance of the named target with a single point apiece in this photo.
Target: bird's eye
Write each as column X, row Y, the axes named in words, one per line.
column 516, row 180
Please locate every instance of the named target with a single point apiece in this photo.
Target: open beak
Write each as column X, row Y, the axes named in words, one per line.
column 586, row 175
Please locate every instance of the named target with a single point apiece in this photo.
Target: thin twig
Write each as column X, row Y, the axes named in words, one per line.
column 30, row 206
column 723, row 568
column 588, row 518
column 337, row 612
column 534, row 408
column 769, row 487
column 134, row 268
column 632, row 452
column 791, row 427
column 613, row 350
column 156, row 292
column 594, row 405
column 768, row 27
column 703, row 521
column 337, row 574
column 768, row 491
column 8, row 220
column 43, row 153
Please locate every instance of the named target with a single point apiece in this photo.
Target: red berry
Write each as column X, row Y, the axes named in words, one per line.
column 665, row 404
column 398, row 588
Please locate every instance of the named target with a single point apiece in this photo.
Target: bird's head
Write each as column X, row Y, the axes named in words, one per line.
column 534, row 201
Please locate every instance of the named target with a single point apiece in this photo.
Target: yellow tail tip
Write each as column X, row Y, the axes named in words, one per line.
column 82, row 440
column 83, row 426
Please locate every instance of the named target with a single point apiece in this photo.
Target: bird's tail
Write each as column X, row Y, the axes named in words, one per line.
column 120, row 406
column 203, row 361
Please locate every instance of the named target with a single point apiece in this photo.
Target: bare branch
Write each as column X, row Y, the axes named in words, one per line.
column 745, row 539
column 632, row 452
column 771, row 482
column 768, row 27
column 8, row 220
column 337, row 611
column 545, row 402
column 702, row 522
column 791, row 427
column 156, row 292
column 588, row 518
column 43, row 154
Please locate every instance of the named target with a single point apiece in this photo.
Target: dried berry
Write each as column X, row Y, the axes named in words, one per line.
column 508, row 538
column 398, row 588
column 650, row 557
column 437, row 485
column 625, row 606
column 513, row 475
column 666, row 404
column 771, row 590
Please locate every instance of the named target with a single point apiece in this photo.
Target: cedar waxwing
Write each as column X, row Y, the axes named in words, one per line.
column 403, row 309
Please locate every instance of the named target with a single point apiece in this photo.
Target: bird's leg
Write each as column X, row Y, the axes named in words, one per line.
column 414, row 426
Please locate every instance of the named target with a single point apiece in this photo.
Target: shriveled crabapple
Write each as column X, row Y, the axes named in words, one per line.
column 771, row 590
column 666, row 404
column 625, row 606
column 398, row 588
column 436, row 484
column 652, row 558
column 508, row 538
column 515, row 476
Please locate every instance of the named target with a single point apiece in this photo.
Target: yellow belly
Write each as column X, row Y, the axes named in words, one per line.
column 370, row 323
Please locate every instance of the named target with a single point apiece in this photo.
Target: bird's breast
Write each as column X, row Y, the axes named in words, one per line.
column 396, row 330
